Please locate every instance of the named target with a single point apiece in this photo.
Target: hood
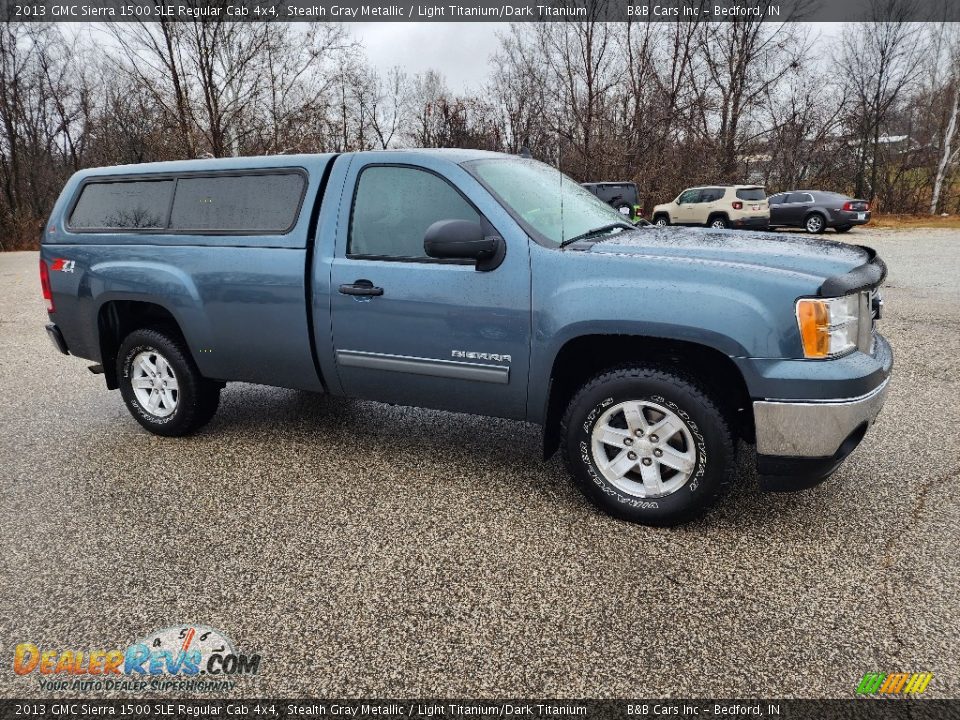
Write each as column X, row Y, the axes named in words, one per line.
column 819, row 259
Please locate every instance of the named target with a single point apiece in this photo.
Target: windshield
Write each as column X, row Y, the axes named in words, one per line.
column 545, row 200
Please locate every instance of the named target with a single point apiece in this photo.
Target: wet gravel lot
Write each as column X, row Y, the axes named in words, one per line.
column 364, row 550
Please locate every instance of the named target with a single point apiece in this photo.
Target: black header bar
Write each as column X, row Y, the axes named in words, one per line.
column 447, row 709
column 479, row 10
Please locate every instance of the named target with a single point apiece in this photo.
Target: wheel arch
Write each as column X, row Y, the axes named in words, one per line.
column 585, row 356
column 118, row 318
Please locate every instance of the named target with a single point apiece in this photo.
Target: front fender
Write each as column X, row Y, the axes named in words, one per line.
column 733, row 309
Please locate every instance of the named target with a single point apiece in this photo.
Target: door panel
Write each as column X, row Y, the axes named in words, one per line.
column 687, row 207
column 797, row 206
column 777, row 214
column 709, row 201
column 415, row 331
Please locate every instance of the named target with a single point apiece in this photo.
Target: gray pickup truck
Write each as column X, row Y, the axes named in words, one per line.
column 479, row 283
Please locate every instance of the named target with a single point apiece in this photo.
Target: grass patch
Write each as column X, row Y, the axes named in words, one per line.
column 897, row 222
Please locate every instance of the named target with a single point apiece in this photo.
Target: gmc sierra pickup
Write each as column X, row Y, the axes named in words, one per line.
column 479, row 283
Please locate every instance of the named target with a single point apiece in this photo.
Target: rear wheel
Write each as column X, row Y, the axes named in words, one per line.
column 815, row 223
column 843, row 228
column 648, row 446
column 161, row 385
column 719, row 222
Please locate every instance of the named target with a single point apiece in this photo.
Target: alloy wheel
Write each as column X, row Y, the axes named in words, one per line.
column 154, row 383
column 644, row 449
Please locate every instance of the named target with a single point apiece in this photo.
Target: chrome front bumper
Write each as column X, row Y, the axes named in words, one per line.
column 813, row 429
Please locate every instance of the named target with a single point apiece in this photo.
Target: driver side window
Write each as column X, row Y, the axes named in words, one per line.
column 688, row 196
column 394, row 205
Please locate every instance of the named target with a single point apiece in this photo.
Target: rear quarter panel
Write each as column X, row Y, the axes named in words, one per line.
column 240, row 300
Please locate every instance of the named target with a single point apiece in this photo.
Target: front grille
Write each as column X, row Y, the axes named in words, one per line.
column 876, row 304
column 870, row 310
column 867, row 317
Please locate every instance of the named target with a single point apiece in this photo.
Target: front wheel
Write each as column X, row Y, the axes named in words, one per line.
column 161, row 385
column 648, row 446
column 661, row 221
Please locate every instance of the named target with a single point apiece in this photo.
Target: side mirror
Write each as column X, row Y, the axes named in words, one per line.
column 464, row 240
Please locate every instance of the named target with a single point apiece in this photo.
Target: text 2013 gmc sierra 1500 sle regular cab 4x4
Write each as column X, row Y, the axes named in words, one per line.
column 480, row 283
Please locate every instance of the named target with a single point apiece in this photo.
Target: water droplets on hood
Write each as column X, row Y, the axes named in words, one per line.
column 796, row 253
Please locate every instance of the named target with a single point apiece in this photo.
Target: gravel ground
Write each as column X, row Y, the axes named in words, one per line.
column 362, row 549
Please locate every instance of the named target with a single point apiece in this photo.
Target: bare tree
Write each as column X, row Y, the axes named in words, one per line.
column 582, row 55
column 152, row 56
column 878, row 61
column 743, row 60
column 660, row 99
column 520, row 93
column 44, row 111
column 946, row 55
column 667, row 105
column 387, row 104
column 219, row 78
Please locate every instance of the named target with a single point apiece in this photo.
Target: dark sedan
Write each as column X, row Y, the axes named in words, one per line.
column 816, row 211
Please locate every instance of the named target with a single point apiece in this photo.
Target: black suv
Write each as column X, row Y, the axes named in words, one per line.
column 816, row 210
column 623, row 196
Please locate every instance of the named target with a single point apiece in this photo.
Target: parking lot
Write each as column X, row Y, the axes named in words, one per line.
column 368, row 550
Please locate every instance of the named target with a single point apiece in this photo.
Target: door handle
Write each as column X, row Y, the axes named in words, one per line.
column 361, row 287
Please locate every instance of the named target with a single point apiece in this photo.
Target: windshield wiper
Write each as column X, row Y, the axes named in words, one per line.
column 596, row 231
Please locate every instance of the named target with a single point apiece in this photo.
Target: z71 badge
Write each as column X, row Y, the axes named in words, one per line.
column 61, row 265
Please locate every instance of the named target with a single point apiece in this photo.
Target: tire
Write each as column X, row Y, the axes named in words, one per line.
column 815, row 223
column 843, row 228
column 621, row 206
column 718, row 222
column 701, row 443
column 661, row 220
column 149, row 357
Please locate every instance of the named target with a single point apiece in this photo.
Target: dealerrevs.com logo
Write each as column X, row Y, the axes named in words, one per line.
column 894, row 683
column 182, row 658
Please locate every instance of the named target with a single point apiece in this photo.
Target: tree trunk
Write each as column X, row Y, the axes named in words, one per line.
column 947, row 152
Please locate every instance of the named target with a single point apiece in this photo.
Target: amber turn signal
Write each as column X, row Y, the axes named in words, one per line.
column 813, row 315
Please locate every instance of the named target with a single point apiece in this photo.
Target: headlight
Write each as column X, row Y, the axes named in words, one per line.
column 828, row 326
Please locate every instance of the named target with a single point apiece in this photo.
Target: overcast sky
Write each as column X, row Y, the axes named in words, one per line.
column 460, row 51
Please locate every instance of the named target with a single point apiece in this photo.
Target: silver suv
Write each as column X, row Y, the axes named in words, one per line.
column 717, row 206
